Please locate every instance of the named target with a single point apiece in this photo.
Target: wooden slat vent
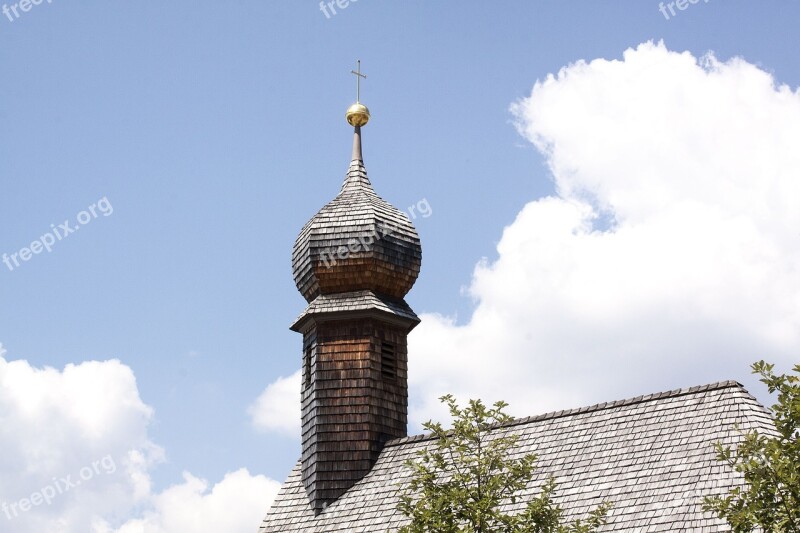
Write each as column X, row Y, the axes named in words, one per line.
column 388, row 362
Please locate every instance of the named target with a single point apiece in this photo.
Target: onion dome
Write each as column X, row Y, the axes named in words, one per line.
column 358, row 242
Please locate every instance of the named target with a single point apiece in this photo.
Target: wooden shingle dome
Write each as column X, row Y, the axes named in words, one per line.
column 357, row 242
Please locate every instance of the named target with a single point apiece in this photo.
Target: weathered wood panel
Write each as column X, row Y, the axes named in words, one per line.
column 350, row 407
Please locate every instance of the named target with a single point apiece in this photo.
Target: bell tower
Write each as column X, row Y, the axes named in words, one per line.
column 353, row 262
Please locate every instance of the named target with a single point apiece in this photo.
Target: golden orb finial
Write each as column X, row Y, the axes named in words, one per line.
column 357, row 115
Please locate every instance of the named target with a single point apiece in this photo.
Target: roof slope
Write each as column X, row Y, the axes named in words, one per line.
column 652, row 456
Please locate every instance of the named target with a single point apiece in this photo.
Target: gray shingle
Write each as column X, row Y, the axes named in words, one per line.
column 651, row 456
column 353, row 302
column 386, row 254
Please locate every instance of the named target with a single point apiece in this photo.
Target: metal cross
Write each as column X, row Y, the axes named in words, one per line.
column 359, row 75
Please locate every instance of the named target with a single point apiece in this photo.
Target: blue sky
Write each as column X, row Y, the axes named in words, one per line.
column 215, row 131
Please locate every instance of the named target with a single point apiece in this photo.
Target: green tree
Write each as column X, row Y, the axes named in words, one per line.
column 460, row 484
column 770, row 498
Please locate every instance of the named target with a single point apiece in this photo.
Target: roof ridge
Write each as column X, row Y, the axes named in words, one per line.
column 598, row 407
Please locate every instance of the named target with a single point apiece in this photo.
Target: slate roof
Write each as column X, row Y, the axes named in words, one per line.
column 652, row 456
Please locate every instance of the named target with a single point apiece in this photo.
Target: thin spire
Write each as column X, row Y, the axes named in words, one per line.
column 357, row 115
column 357, row 146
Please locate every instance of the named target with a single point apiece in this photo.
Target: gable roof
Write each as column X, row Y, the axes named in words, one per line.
column 651, row 456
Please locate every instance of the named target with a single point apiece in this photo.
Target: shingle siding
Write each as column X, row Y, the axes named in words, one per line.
column 651, row 456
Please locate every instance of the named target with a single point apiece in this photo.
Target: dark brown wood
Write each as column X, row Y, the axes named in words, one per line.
column 351, row 408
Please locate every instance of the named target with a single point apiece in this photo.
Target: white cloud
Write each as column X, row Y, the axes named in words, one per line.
column 277, row 409
column 76, row 453
column 696, row 164
column 70, row 437
column 235, row 504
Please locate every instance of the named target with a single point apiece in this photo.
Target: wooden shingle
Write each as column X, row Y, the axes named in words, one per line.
column 651, row 456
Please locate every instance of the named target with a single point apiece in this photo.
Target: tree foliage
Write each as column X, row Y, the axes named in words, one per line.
column 770, row 498
column 461, row 483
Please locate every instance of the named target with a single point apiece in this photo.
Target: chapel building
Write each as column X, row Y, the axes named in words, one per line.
column 354, row 262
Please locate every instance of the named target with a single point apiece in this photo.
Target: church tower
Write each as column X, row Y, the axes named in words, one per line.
column 354, row 262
